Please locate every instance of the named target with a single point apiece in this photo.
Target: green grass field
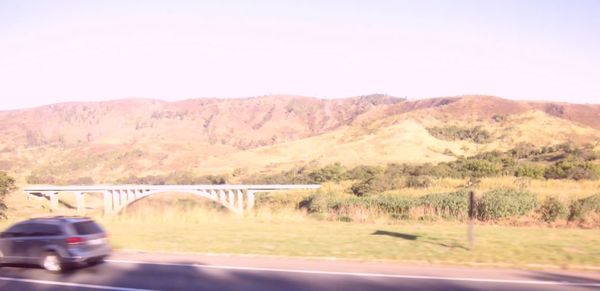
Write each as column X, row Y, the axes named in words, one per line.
column 439, row 242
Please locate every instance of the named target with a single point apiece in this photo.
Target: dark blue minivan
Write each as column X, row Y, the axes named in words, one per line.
column 54, row 242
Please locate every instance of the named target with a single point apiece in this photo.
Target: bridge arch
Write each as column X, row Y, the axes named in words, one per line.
column 200, row 193
column 237, row 198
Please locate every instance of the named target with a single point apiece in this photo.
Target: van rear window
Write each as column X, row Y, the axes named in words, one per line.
column 87, row 227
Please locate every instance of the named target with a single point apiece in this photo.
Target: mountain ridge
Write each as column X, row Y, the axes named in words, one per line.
column 109, row 139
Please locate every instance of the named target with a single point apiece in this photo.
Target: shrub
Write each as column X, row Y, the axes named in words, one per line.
column 361, row 188
column 38, row 178
column 480, row 168
column 505, row 202
column 580, row 208
column 400, row 170
column 396, row 206
column 81, row 181
column 552, row 209
column 316, row 203
column 523, row 151
column 427, row 169
column 475, row 134
column 530, row 171
column 581, row 173
column 455, row 204
column 278, row 201
column 335, row 172
column 573, row 169
column 498, row 118
column 358, row 208
column 372, row 185
column 443, row 170
column 147, row 180
column 176, row 178
column 348, row 202
column 363, row 172
column 295, row 175
column 418, row 182
column 7, row 184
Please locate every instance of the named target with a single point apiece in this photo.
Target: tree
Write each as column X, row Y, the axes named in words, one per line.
column 7, row 184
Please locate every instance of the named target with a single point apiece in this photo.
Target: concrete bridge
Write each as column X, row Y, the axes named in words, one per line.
column 236, row 198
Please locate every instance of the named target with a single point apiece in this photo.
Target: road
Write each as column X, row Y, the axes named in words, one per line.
column 135, row 271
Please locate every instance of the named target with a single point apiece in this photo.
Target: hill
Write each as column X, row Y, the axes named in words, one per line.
column 104, row 141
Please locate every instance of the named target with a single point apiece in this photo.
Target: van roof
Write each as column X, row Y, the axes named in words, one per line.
column 60, row 218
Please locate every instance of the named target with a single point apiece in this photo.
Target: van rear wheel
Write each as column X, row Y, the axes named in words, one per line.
column 52, row 262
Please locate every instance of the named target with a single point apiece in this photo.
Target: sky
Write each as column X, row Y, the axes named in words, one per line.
column 60, row 51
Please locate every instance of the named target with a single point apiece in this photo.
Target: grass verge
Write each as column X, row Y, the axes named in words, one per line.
column 440, row 242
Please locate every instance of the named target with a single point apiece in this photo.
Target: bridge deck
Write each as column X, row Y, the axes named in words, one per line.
column 90, row 188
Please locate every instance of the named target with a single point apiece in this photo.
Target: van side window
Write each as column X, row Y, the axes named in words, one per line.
column 15, row 231
column 52, row 229
column 42, row 229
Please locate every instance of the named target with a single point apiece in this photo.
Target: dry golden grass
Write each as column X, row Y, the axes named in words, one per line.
column 407, row 142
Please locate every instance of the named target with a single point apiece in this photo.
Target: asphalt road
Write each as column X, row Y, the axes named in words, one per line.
column 151, row 271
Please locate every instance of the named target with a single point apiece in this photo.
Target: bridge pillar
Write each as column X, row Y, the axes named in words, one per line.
column 31, row 195
column 122, row 199
column 250, row 199
column 107, row 195
column 222, row 196
column 116, row 201
column 240, row 201
column 130, row 196
column 230, row 198
column 53, row 201
column 80, row 202
column 139, row 194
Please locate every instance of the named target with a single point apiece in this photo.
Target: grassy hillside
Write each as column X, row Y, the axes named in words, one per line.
column 104, row 141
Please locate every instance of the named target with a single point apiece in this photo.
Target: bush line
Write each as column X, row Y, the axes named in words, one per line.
column 492, row 206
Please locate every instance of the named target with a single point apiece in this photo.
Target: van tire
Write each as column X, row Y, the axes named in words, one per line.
column 52, row 262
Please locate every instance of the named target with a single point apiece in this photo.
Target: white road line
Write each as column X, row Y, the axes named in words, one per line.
column 90, row 286
column 416, row 277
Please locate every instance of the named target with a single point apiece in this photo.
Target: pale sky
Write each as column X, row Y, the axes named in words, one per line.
column 58, row 51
